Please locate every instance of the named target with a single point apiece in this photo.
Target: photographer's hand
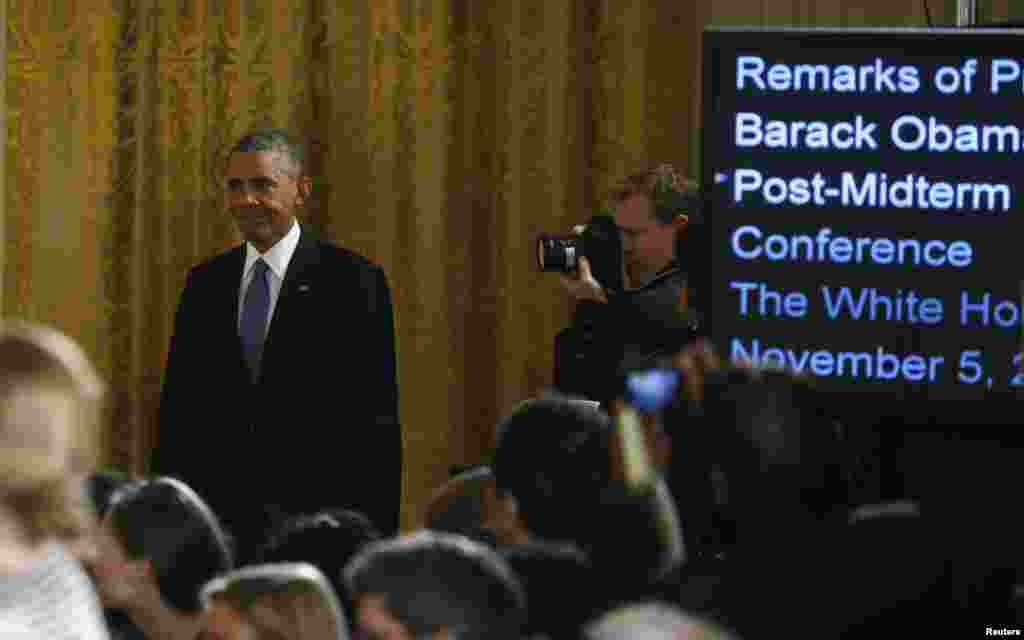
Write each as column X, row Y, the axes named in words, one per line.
column 584, row 286
column 695, row 362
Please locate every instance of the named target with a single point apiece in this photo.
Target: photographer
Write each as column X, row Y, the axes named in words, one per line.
column 634, row 312
column 637, row 304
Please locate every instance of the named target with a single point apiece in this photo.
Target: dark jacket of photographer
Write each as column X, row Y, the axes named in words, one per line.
column 633, row 330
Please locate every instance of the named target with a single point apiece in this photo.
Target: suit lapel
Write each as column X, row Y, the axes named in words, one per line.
column 232, row 283
column 232, row 275
column 221, row 290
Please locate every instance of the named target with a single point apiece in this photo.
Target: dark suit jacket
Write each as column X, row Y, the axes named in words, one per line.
column 319, row 428
column 632, row 331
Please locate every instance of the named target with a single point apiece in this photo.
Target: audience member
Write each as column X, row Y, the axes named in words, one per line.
column 286, row 601
column 652, row 621
column 797, row 568
column 465, row 505
column 430, row 585
column 328, row 540
column 163, row 545
column 563, row 591
column 556, row 468
column 550, row 462
column 50, row 402
column 102, row 487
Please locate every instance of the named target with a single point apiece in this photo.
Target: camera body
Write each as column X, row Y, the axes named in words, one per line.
column 598, row 241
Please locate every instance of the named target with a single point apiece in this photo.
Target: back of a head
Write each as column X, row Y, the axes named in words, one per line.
column 552, row 456
column 327, row 540
column 652, row 621
column 916, row 554
column 165, row 522
column 50, row 402
column 555, row 457
column 281, row 600
column 562, row 588
column 460, row 505
column 431, row 582
column 778, row 449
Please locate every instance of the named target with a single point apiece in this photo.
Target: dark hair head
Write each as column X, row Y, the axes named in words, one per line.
column 776, row 443
column 50, row 403
column 552, row 457
column 459, row 505
column 561, row 585
column 275, row 140
column 432, row 581
column 102, row 487
column 327, row 539
column 166, row 523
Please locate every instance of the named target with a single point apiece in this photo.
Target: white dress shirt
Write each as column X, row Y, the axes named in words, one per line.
column 277, row 258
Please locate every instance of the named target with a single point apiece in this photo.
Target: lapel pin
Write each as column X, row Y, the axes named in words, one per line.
column 303, row 288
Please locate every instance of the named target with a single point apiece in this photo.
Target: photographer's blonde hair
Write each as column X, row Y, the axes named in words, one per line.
column 50, row 403
column 667, row 188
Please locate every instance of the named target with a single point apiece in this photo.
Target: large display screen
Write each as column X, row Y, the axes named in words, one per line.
column 866, row 192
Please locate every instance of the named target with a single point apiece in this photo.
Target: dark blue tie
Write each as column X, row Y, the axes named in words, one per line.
column 255, row 310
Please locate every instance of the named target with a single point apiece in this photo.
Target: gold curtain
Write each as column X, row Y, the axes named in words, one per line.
column 443, row 136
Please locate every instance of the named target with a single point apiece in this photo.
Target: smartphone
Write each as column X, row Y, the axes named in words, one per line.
column 652, row 390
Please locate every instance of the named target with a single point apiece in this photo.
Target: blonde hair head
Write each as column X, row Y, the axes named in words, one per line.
column 671, row 193
column 50, row 403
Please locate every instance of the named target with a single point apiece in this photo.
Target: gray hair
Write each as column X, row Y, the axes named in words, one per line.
column 241, row 587
column 652, row 621
column 277, row 141
column 432, row 580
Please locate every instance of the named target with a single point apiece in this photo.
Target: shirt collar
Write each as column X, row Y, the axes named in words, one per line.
column 278, row 256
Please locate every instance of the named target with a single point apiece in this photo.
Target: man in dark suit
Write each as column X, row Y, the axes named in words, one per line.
column 280, row 394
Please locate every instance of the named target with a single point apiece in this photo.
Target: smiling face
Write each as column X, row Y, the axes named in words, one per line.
column 262, row 192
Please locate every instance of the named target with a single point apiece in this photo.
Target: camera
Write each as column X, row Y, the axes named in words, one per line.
column 598, row 241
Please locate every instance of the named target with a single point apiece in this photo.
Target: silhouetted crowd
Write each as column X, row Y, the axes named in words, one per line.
column 731, row 511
